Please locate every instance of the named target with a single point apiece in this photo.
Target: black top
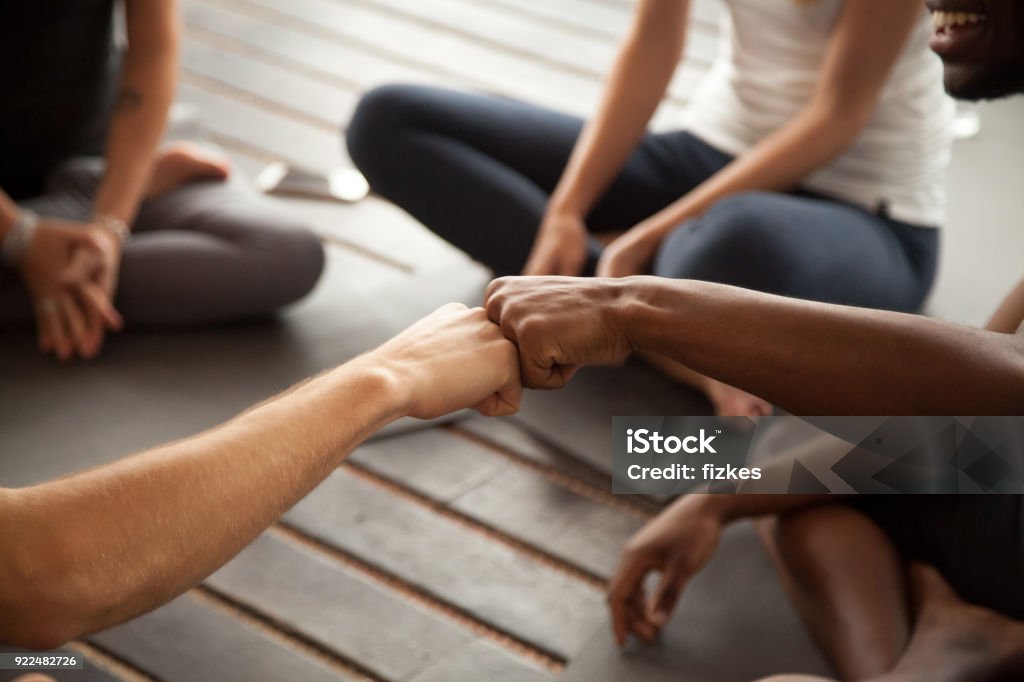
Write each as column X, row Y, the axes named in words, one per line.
column 58, row 74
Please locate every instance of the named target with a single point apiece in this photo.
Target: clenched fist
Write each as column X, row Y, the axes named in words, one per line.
column 559, row 324
column 454, row 358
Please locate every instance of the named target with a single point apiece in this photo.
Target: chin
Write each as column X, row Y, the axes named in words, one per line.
column 968, row 84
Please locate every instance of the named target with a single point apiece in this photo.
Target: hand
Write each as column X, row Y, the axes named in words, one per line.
column 96, row 271
column 65, row 305
column 452, row 359
column 559, row 323
column 631, row 254
column 677, row 543
column 560, row 247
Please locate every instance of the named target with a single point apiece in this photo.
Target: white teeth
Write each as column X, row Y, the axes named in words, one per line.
column 943, row 20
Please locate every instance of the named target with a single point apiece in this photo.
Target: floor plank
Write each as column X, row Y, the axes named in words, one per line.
column 502, row 587
column 443, row 52
column 491, row 489
column 328, row 58
column 332, row 605
column 329, row 106
column 191, row 641
column 482, row 661
column 245, row 122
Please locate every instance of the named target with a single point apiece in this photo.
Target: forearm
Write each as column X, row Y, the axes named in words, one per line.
column 779, row 163
column 100, row 547
column 8, row 214
column 812, row 358
column 729, row 508
column 1010, row 315
column 635, row 87
column 146, row 91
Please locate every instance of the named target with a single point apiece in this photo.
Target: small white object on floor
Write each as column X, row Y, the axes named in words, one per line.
column 341, row 184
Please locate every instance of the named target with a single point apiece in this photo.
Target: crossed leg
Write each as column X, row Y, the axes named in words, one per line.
column 859, row 599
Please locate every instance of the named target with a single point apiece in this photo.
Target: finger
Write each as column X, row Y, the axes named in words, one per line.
column 638, row 623
column 545, row 374
column 84, row 238
column 96, row 300
column 504, row 403
column 44, row 327
column 663, row 602
column 625, row 589
column 74, row 321
column 59, row 334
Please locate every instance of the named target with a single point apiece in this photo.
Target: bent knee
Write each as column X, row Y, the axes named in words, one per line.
column 379, row 116
column 291, row 260
column 732, row 243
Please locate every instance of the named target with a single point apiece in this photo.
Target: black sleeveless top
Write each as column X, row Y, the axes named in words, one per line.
column 59, row 68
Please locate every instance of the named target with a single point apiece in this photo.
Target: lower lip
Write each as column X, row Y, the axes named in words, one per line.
column 953, row 40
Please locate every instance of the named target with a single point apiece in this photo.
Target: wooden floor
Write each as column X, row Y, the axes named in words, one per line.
column 473, row 550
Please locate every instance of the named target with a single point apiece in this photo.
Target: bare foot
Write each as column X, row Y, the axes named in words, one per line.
column 954, row 641
column 730, row 401
column 181, row 163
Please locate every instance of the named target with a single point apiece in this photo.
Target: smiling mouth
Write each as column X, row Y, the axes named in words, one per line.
column 945, row 22
column 958, row 35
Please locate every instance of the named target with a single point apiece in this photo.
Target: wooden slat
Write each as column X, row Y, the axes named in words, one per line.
column 498, row 585
column 288, row 139
column 329, row 106
column 572, row 527
column 189, row 640
column 447, row 54
column 343, row 611
column 433, row 463
column 578, row 418
column 542, row 40
column 492, row 490
column 331, row 59
column 482, row 661
column 509, row 434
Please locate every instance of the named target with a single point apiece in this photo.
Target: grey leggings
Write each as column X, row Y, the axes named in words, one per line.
column 205, row 253
column 478, row 171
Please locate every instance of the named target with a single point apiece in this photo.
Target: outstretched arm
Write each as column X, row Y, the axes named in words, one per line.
column 808, row 358
column 91, row 550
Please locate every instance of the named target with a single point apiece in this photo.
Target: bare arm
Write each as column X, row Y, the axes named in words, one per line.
column 94, row 549
column 867, row 43
column 1010, row 315
column 824, row 359
column 637, row 83
column 146, row 91
column 8, row 214
column 809, row 358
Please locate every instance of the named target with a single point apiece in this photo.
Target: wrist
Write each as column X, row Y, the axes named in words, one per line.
column 720, row 508
column 566, row 204
column 390, row 386
column 111, row 227
column 641, row 310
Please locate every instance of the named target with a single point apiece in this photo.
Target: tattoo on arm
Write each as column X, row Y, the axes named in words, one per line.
column 128, row 99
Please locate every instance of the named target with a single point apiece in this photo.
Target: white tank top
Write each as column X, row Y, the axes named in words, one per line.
column 769, row 58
